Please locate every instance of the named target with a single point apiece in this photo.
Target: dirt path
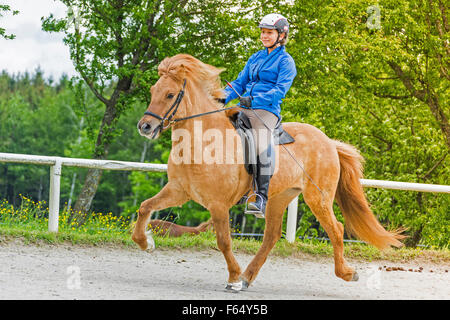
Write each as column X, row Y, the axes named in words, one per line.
column 74, row 272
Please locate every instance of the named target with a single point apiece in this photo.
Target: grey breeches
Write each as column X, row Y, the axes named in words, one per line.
column 263, row 137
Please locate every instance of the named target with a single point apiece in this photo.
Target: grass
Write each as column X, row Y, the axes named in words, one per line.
column 29, row 224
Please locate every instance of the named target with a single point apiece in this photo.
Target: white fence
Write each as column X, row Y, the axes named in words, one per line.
column 56, row 164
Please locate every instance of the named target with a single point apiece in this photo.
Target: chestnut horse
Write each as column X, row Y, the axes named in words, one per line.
column 329, row 170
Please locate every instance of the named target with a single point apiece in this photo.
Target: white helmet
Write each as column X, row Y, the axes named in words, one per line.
column 275, row 21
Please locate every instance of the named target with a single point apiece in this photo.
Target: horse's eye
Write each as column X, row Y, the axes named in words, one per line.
column 170, row 95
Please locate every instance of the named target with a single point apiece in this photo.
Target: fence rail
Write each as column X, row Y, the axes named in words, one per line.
column 56, row 164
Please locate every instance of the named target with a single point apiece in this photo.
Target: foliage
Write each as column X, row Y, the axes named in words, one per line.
column 116, row 47
column 349, row 86
column 381, row 85
column 30, row 215
column 6, row 8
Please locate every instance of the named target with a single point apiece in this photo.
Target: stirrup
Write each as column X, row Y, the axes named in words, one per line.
column 256, row 213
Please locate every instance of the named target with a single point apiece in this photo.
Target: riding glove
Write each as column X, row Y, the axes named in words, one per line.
column 246, row 102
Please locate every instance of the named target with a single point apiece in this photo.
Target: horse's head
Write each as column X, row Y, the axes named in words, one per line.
column 177, row 74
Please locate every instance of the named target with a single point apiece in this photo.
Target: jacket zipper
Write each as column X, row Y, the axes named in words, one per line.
column 257, row 73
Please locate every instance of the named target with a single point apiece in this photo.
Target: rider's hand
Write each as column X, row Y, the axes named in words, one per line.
column 222, row 101
column 246, row 101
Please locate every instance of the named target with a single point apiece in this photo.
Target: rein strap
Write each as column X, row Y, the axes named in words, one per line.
column 174, row 107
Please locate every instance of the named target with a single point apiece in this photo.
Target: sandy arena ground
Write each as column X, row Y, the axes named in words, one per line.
column 78, row 272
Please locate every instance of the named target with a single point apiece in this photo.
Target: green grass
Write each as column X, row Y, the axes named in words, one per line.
column 207, row 241
column 28, row 223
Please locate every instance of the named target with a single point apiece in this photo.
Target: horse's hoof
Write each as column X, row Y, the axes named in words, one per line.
column 245, row 283
column 355, row 276
column 234, row 287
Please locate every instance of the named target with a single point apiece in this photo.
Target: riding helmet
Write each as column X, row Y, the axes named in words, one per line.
column 275, row 21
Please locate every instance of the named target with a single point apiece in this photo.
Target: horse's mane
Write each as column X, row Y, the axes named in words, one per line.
column 184, row 66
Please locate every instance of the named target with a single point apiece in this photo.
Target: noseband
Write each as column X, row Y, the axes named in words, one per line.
column 168, row 116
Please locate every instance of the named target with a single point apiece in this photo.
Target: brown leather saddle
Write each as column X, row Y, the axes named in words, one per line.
column 243, row 127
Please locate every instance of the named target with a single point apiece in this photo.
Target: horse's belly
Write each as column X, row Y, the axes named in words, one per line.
column 206, row 184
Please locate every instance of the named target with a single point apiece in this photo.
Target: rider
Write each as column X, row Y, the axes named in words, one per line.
column 262, row 84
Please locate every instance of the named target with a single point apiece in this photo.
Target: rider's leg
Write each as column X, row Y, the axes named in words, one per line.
column 263, row 122
column 266, row 165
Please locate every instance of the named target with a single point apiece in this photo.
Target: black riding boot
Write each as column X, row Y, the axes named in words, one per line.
column 265, row 170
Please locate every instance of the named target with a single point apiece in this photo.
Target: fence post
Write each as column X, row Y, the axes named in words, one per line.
column 53, row 206
column 291, row 224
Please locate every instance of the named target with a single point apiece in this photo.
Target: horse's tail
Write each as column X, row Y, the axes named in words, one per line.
column 359, row 219
column 202, row 227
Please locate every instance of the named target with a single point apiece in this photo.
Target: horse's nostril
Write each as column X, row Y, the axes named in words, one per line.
column 145, row 128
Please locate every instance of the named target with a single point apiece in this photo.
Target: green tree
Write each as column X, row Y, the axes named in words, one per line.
column 117, row 45
column 36, row 118
column 6, row 8
column 376, row 75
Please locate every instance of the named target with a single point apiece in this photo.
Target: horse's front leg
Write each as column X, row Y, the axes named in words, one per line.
column 220, row 217
column 272, row 233
column 171, row 195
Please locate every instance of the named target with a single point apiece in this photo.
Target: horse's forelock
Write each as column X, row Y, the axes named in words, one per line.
column 184, row 66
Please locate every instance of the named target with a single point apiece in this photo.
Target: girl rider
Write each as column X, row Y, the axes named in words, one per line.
column 262, row 84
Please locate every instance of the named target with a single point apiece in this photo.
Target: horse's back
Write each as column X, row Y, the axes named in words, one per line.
column 312, row 152
column 296, row 128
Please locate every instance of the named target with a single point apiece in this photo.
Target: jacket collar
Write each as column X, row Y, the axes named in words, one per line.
column 275, row 51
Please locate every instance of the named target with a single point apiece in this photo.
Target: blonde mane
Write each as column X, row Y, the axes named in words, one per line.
column 184, row 66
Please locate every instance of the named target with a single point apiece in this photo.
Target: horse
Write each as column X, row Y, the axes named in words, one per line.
column 170, row 229
column 320, row 168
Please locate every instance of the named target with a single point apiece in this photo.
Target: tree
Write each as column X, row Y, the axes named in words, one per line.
column 117, row 45
column 376, row 76
column 3, row 34
column 35, row 118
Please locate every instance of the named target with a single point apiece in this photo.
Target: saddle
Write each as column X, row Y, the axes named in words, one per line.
column 243, row 127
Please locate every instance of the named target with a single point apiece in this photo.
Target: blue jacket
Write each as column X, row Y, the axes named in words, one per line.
column 265, row 77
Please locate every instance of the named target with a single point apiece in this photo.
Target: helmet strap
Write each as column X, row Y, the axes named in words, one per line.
column 276, row 42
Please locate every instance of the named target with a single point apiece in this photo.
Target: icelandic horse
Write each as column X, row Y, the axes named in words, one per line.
column 333, row 166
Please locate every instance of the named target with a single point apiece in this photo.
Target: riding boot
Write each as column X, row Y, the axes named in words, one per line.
column 265, row 168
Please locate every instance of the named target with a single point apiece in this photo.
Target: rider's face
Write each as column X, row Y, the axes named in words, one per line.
column 269, row 36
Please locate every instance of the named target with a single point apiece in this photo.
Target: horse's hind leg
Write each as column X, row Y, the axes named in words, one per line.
column 272, row 233
column 323, row 210
column 170, row 196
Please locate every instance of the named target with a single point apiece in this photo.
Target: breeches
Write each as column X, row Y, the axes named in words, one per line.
column 263, row 137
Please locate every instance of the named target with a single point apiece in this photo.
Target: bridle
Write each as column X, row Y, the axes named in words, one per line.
column 168, row 115
column 167, row 120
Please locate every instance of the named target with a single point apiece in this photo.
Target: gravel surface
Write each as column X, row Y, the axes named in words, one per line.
column 78, row 272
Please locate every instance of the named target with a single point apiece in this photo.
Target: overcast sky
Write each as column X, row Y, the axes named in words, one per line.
column 33, row 47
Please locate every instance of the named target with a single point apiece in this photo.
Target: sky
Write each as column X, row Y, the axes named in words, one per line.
column 33, row 47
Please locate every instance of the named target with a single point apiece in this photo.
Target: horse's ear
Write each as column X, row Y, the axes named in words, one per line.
column 178, row 72
column 181, row 72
